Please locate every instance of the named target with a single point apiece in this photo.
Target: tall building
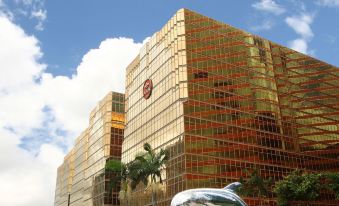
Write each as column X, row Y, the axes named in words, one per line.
column 81, row 180
column 224, row 101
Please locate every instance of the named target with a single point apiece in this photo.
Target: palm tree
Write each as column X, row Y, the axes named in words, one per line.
column 148, row 166
column 120, row 173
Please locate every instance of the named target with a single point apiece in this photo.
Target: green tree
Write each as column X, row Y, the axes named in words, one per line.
column 119, row 173
column 298, row 186
column 148, row 166
column 332, row 183
column 301, row 186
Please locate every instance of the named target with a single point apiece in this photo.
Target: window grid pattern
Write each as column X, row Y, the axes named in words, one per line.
column 159, row 119
column 81, row 177
column 255, row 104
column 226, row 101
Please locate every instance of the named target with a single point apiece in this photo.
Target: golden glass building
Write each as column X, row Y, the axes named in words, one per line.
column 223, row 101
column 81, row 180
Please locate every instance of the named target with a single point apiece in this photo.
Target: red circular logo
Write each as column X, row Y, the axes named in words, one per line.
column 147, row 89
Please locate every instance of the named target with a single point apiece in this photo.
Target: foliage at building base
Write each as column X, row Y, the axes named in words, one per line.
column 301, row 186
column 145, row 168
column 297, row 188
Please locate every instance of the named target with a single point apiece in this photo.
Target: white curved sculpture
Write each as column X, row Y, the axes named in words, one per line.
column 209, row 197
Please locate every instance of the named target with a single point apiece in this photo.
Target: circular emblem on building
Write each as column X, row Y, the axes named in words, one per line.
column 147, row 89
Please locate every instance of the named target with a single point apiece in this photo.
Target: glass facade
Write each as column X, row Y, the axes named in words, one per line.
column 81, row 180
column 225, row 101
column 158, row 120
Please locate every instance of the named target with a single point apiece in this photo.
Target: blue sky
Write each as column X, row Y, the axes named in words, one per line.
column 74, row 27
column 59, row 58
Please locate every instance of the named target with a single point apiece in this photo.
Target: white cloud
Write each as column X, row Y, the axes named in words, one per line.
column 27, row 179
column 31, row 99
column 266, row 25
column 269, row 6
column 19, row 70
column 41, row 16
column 299, row 45
column 329, row 3
column 301, row 24
column 101, row 70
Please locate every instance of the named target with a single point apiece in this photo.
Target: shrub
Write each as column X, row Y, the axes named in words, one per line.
column 299, row 186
